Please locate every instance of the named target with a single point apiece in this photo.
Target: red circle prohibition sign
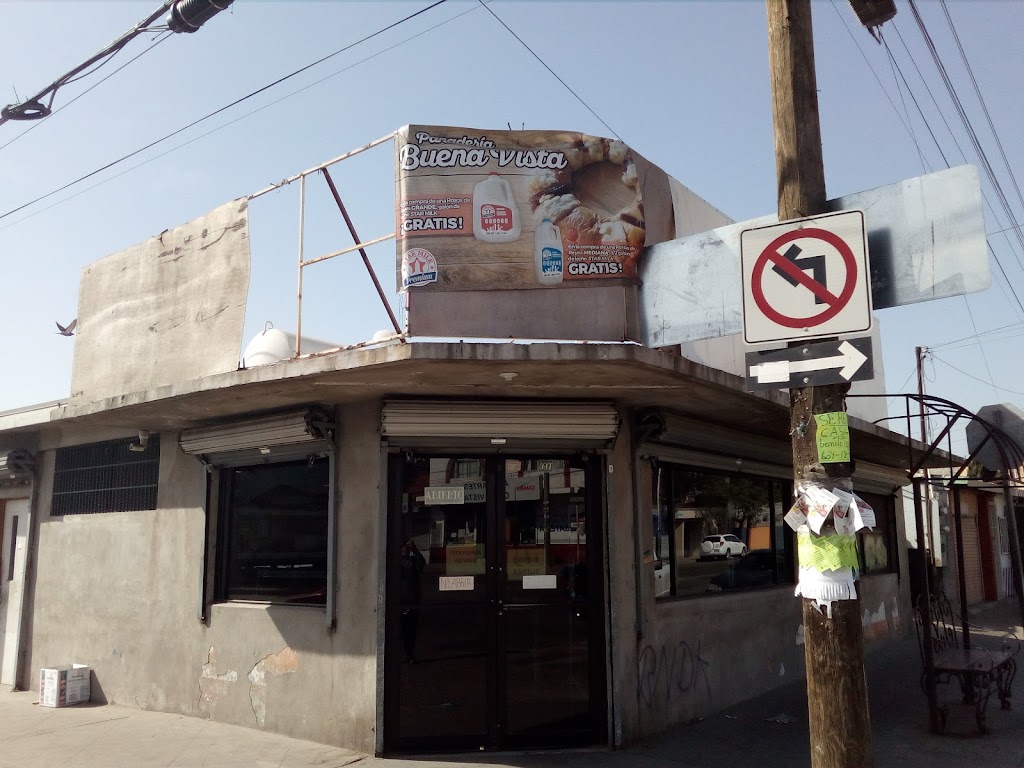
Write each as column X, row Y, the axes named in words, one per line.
column 772, row 254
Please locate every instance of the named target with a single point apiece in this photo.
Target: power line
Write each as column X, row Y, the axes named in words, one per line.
column 981, row 346
column 910, row 123
column 549, row 69
column 33, row 108
column 962, row 113
column 892, row 399
column 963, row 154
column 938, row 146
column 1001, row 328
column 981, row 100
column 223, row 109
column 989, row 340
column 981, row 381
column 37, row 123
column 239, row 118
column 867, row 61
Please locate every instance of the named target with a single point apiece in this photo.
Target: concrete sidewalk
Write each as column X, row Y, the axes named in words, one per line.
column 95, row 736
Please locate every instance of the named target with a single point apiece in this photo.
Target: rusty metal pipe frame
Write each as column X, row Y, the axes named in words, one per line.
column 362, row 251
column 314, row 169
column 350, row 249
column 302, row 232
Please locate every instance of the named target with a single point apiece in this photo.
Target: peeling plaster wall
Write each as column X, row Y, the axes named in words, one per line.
column 120, row 592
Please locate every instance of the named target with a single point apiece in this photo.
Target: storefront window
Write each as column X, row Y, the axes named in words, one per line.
column 274, row 532
column 718, row 532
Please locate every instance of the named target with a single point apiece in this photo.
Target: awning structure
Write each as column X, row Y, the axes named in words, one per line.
column 282, row 437
column 499, row 425
column 671, row 437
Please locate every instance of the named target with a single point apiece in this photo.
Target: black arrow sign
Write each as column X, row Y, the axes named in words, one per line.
column 816, row 265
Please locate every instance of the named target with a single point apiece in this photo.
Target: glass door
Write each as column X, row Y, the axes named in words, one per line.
column 549, row 607
column 441, row 626
column 494, row 632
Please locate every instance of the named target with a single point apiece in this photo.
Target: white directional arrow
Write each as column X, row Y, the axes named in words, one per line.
column 849, row 360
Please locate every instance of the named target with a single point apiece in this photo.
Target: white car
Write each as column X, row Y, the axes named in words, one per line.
column 723, row 545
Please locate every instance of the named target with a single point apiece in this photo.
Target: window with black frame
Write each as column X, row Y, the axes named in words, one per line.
column 274, row 532
column 717, row 532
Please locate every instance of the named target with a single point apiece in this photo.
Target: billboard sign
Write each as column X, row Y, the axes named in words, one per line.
column 487, row 210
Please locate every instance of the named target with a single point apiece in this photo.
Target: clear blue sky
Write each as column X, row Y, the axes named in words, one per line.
column 683, row 83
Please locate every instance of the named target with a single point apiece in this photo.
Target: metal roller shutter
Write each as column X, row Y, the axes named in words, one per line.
column 282, row 437
column 683, row 440
column 500, row 426
column 972, row 556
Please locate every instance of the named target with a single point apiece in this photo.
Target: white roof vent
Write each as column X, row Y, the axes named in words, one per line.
column 273, row 345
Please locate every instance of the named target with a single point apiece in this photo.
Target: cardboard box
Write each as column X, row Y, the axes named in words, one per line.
column 61, row 686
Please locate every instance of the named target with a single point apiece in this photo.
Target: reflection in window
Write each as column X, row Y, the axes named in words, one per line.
column 877, row 545
column 718, row 532
column 275, row 532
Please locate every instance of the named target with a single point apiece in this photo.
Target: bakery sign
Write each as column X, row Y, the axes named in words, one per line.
column 478, row 210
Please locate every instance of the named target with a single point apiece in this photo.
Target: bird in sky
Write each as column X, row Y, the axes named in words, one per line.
column 68, row 330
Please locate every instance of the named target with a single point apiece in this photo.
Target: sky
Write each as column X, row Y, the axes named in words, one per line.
column 683, row 83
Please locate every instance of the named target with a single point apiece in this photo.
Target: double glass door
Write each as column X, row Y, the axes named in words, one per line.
column 494, row 604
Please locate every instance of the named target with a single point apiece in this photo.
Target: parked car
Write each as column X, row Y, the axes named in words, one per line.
column 754, row 569
column 721, row 545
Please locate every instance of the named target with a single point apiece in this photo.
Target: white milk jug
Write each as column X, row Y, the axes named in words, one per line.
column 495, row 216
column 548, row 254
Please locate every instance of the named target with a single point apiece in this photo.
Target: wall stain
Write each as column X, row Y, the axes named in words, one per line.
column 234, row 227
column 680, row 669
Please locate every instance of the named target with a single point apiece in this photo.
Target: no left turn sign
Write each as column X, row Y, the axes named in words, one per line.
column 806, row 278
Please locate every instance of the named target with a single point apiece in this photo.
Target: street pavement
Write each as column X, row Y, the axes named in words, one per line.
column 768, row 732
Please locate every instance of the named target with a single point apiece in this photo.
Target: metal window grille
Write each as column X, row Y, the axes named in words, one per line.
column 105, row 477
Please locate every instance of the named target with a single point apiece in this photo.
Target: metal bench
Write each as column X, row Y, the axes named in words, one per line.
column 979, row 670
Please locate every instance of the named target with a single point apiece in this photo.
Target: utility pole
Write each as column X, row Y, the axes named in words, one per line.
column 840, row 728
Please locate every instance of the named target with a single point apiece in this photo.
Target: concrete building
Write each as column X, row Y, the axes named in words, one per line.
column 559, row 608
column 408, row 546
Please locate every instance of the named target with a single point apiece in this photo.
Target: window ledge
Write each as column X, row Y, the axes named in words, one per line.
column 229, row 605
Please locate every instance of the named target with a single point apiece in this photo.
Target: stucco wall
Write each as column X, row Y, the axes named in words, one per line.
column 120, row 592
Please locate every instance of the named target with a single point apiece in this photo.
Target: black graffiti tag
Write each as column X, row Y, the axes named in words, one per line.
column 680, row 668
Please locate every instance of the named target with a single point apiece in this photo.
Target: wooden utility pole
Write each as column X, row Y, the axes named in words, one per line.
column 840, row 727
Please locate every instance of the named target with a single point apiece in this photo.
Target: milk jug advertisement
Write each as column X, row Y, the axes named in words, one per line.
column 492, row 210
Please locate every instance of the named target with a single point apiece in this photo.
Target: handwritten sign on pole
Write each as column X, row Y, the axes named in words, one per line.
column 833, row 437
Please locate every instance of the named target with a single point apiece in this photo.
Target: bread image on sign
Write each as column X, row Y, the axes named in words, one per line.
column 524, row 209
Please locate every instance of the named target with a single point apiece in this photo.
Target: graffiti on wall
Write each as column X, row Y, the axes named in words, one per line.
column 673, row 671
